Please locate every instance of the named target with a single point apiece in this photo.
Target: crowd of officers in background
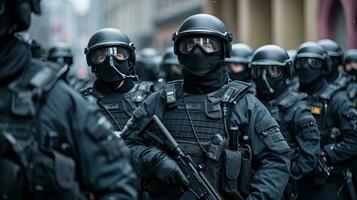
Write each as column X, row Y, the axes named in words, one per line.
column 303, row 112
column 267, row 123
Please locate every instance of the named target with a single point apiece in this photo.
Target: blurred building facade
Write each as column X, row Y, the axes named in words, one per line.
column 150, row 23
column 288, row 22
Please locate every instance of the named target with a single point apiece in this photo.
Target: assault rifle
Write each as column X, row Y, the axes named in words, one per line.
column 200, row 187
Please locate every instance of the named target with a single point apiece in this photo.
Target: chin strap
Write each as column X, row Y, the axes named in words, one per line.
column 271, row 90
column 124, row 76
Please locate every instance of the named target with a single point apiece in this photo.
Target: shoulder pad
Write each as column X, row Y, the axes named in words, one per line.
column 233, row 91
column 329, row 91
column 46, row 76
column 342, row 81
column 352, row 91
column 290, row 98
column 32, row 85
column 146, row 86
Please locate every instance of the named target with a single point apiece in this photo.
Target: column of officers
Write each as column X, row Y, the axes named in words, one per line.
column 207, row 120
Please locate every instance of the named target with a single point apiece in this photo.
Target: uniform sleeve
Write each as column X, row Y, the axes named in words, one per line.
column 143, row 157
column 271, row 159
column 307, row 151
column 346, row 119
column 101, row 158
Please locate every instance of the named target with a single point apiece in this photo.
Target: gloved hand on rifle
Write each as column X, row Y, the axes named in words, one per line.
column 168, row 171
column 323, row 165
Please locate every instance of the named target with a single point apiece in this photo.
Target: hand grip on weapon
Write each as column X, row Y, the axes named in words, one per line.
column 167, row 170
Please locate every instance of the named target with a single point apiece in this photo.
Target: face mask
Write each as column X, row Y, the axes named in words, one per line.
column 198, row 63
column 240, row 76
column 309, row 69
column 268, row 87
column 112, row 69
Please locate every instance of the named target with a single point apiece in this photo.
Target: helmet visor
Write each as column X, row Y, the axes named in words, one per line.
column 271, row 70
column 313, row 63
column 99, row 55
column 208, row 44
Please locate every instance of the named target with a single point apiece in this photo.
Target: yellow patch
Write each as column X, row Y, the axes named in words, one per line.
column 315, row 110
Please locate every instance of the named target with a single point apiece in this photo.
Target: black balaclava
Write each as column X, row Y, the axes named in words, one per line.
column 314, row 86
column 307, row 74
column 112, row 70
column 15, row 56
column 311, row 80
column 241, row 76
column 199, row 63
column 111, row 87
column 207, row 83
column 269, row 88
column 203, row 73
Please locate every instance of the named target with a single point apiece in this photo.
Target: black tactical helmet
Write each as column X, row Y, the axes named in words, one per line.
column 332, row 49
column 270, row 68
column 110, row 37
column 311, row 50
column 204, row 24
column 350, row 55
column 15, row 16
column 270, row 55
column 61, row 51
column 169, row 57
column 241, row 53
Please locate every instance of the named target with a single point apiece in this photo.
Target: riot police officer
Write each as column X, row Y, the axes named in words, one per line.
column 334, row 73
column 336, row 119
column 206, row 110
column 54, row 145
column 350, row 66
column 111, row 56
column 170, row 65
column 271, row 68
column 148, row 70
column 62, row 54
column 293, row 80
column 237, row 64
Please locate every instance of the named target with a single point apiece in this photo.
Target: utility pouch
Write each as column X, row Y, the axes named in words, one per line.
column 231, row 171
column 245, row 170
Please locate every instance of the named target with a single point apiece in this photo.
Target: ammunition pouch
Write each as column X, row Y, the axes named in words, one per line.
column 236, row 172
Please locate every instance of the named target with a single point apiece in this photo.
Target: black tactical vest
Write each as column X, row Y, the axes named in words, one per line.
column 319, row 107
column 117, row 108
column 31, row 165
column 283, row 109
column 194, row 119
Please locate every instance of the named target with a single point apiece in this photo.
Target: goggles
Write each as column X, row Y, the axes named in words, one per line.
column 98, row 56
column 271, row 70
column 313, row 63
column 207, row 44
